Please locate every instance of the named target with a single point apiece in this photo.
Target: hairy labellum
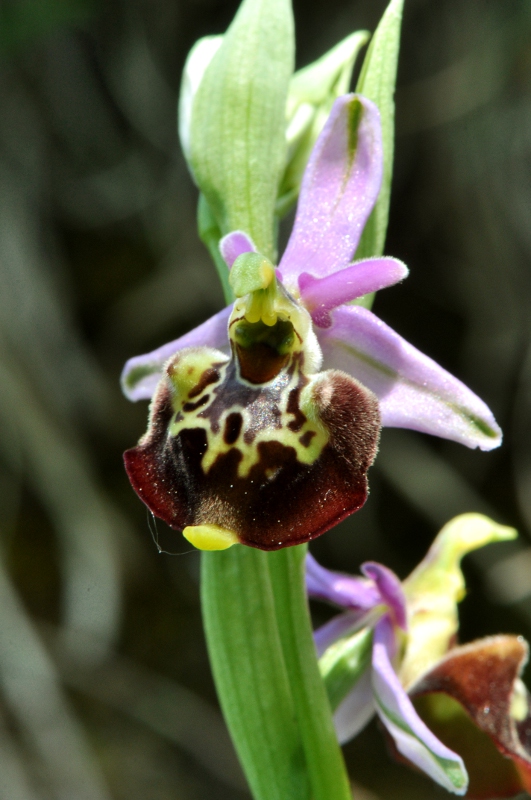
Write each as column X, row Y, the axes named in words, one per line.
column 258, row 448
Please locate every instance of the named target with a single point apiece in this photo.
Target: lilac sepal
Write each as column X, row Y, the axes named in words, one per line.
column 411, row 736
column 356, row 709
column 321, row 295
column 357, row 594
column 338, row 191
column 141, row 374
column 414, row 392
column 341, row 625
column 233, row 245
column 390, row 590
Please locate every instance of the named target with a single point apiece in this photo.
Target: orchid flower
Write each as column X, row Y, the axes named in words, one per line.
column 265, row 419
column 395, row 644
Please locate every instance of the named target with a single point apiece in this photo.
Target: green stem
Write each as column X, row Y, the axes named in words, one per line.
column 263, row 658
column 250, row 672
column 326, row 768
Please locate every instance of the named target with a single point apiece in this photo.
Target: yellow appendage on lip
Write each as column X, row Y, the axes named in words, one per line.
column 253, row 276
column 210, row 537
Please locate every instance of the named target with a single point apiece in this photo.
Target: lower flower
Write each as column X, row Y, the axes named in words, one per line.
column 461, row 714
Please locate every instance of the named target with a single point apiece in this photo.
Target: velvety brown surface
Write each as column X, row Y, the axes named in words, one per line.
column 281, row 501
column 481, row 677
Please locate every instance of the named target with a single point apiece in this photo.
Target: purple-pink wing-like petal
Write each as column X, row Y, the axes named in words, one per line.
column 338, row 191
column 390, row 590
column 356, row 709
column 233, row 245
column 141, row 374
column 321, row 295
column 339, row 626
column 413, row 391
column 358, row 594
column 411, row 736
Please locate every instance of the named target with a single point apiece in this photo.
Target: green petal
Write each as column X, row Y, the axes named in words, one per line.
column 436, row 586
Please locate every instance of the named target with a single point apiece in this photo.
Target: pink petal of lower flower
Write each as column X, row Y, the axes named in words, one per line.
column 321, row 295
column 411, row 736
column 390, row 590
column 141, row 374
column 356, row 709
column 339, row 626
column 414, row 392
column 339, row 189
column 342, row 590
column 233, row 245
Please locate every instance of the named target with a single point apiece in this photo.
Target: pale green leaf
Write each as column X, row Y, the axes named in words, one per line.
column 377, row 82
column 237, row 138
column 312, row 92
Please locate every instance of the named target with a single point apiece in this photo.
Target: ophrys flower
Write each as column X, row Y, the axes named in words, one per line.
column 249, row 439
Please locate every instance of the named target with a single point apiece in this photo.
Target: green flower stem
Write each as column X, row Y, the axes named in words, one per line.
column 247, row 660
column 377, row 82
column 254, row 604
column 326, row 767
column 239, row 614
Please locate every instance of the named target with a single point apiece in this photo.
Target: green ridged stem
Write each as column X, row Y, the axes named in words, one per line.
column 250, row 672
column 324, row 759
column 210, row 234
column 255, row 608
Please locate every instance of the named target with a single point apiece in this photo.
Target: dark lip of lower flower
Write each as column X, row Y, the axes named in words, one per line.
column 481, row 683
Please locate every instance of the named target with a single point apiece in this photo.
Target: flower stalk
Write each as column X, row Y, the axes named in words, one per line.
column 256, row 616
column 325, row 764
column 260, row 642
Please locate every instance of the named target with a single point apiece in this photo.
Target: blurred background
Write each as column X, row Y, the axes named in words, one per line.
column 105, row 688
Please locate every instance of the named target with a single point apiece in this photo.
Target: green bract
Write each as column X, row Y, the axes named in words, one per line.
column 312, row 92
column 237, row 143
column 377, row 82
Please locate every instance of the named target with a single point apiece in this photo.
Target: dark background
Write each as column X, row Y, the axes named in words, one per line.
column 105, row 688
